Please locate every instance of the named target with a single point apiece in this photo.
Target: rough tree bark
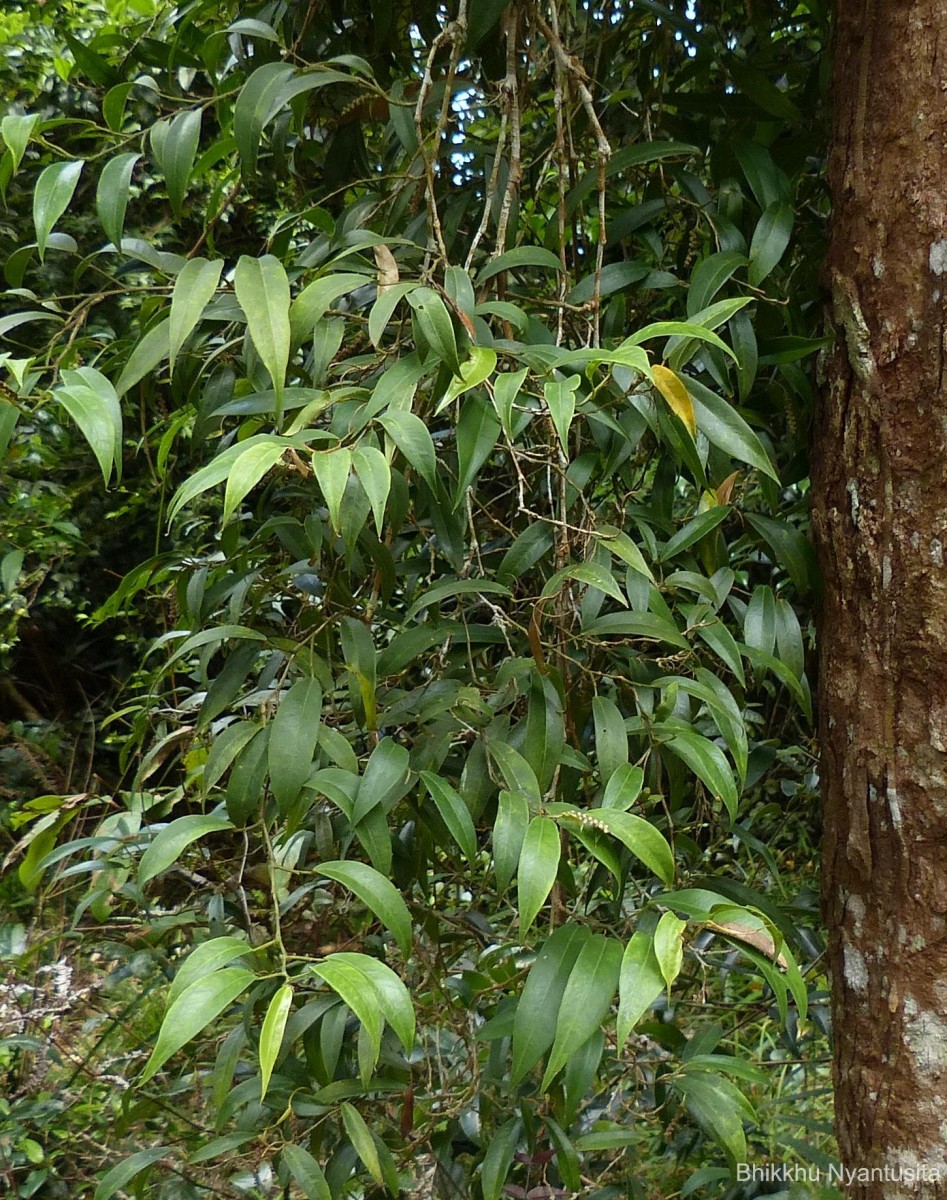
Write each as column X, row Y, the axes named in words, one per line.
column 880, row 520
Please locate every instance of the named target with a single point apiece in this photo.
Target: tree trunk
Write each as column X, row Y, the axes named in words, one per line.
column 880, row 521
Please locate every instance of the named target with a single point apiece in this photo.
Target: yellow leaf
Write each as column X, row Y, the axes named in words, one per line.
column 672, row 388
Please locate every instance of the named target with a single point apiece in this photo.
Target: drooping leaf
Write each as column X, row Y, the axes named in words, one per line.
column 193, row 290
column 534, row 1026
column 262, row 290
column 378, row 893
column 51, row 196
column 112, row 195
column 92, row 403
column 585, row 1001
column 173, row 839
column 174, row 144
column 294, row 733
column 271, row 1034
column 538, row 865
column 454, row 813
column 640, row 983
column 193, row 1010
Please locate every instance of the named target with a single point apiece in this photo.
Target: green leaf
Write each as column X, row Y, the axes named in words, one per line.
column 125, row 1171
column 759, row 623
column 153, row 349
column 669, row 946
column 349, row 981
column 639, row 984
column 393, row 996
column 54, row 189
column 309, row 307
column 641, row 838
column 637, row 625
column 194, row 288
column 770, row 239
column 789, row 638
column 16, row 131
column 621, row 546
column 111, row 198
column 271, row 1034
column 534, row 1025
column 695, row 529
column 585, row 1001
column 378, row 893
column 193, row 1010
column 91, row 401
column 294, row 733
column 454, row 587
column 709, row 276
column 411, row 436
column 538, row 865
column 719, row 638
column 517, row 772
column 374, row 475
column 560, row 400
column 477, row 432
column 710, row 1100
column 268, row 89
column 590, row 573
column 723, row 426
column 614, row 277
column 331, row 469
column 306, row 1171
column 174, row 144
column 173, row 840
column 520, row 256
column 709, row 763
column 358, row 651
column 506, row 388
column 454, row 813
column 203, row 960
column 263, row 293
column 246, row 471
column 498, row 1159
column 611, row 738
column 436, row 325
column 361, row 1138
column 479, row 367
column 621, row 161
column 792, row 549
column 624, row 786
column 509, row 830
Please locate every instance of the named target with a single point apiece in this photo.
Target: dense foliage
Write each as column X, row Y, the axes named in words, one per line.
column 404, row 414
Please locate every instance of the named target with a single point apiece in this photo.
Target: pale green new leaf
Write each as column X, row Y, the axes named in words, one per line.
column 271, row 1034
column 669, row 946
column 393, row 996
column 204, row 959
column 560, row 400
column 16, row 131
